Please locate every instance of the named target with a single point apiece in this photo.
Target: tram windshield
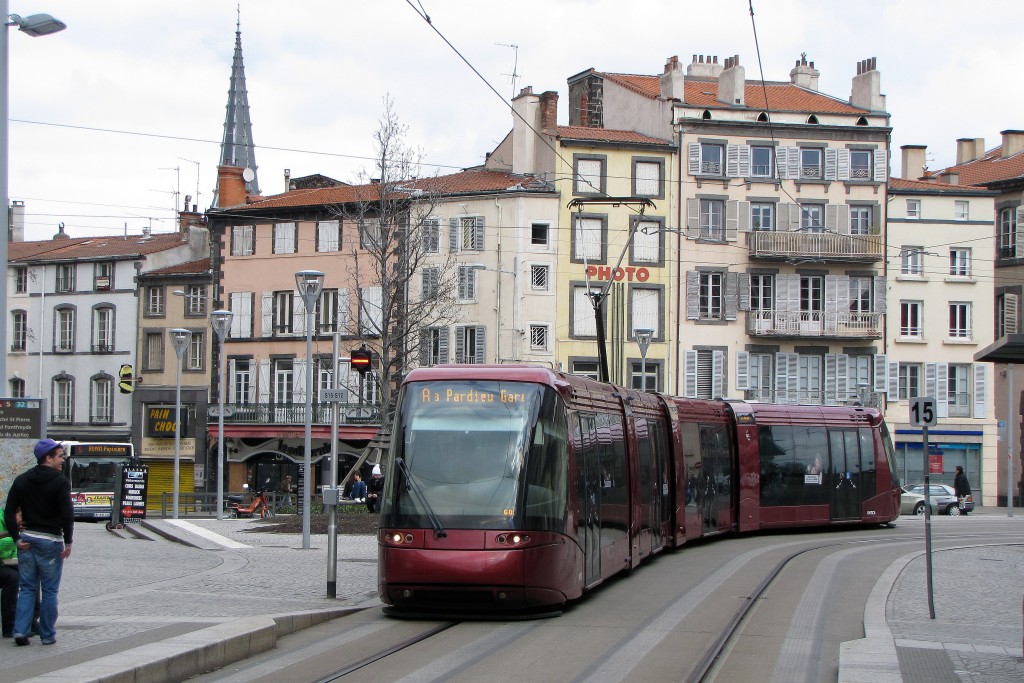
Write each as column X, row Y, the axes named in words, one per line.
column 479, row 455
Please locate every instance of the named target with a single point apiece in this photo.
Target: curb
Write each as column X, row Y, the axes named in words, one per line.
column 182, row 657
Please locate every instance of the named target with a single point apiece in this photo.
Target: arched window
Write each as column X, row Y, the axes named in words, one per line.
column 812, row 119
column 706, row 114
column 862, row 121
column 762, row 117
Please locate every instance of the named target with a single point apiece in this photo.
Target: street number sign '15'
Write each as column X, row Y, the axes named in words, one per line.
column 923, row 411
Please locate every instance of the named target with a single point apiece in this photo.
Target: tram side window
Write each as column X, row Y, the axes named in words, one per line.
column 547, row 476
column 867, row 461
column 691, row 460
column 794, row 464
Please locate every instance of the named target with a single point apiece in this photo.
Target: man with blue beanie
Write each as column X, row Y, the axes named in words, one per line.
column 43, row 494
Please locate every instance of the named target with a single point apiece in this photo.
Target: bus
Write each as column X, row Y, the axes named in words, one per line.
column 92, row 469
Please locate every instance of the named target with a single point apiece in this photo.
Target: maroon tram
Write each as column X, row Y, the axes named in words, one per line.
column 516, row 487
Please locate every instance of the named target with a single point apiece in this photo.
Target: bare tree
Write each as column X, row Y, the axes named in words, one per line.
column 406, row 284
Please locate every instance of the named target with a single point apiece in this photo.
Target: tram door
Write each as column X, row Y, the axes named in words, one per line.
column 847, row 487
column 588, row 490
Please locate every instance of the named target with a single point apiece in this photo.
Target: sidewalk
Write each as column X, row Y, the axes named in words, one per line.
column 978, row 628
column 165, row 610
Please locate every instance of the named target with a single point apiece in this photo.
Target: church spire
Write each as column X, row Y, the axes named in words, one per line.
column 236, row 147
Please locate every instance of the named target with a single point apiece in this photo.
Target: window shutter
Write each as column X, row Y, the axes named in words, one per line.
column 732, row 295
column 481, row 347
column 794, row 293
column 718, row 374
column 881, row 368
column 692, row 295
column 831, row 163
column 693, row 218
column 793, row 163
column 1019, row 230
column 344, row 312
column 742, row 370
column 1010, row 304
column 425, row 337
column 442, row 345
column 843, row 389
column 879, row 297
column 453, row 235
column 781, row 303
column 299, row 316
column 744, row 285
column 831, row 302
column 478, row 233
column 979, row 390
column 942, row 389
column 843, row 220
column 744, row 161
column 789, row 217
column 781, row 377
column 782, row 163
column 693, row 158
column 831, row 392
column 232, row 381
column 831, row 216
column 843, row 164
column 732, row 161
column 876, row 220
column 299, row 381
column 267, row 313
column 881, row 165
column 894, row 381
column 690, row 374
column 460, row 344
column 263, row 383
column 929, row 380
column 744, row 211
column 732, row 220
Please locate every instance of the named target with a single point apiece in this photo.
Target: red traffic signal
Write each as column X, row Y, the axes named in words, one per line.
column 361, row 359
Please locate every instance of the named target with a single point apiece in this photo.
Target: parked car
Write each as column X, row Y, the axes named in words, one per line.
column 943, row 500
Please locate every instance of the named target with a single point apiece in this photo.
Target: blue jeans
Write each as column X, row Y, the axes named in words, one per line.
column 41, row 565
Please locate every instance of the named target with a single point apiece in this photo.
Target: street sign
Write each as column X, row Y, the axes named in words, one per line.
column 334, row 395
column 214, row 411
column 923, row 411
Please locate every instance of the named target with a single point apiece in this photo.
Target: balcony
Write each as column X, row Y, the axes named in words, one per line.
column 815, row 324
column 295, row 413
column 824, row 246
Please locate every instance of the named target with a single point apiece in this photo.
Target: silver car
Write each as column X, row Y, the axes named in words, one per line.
column 943, row 500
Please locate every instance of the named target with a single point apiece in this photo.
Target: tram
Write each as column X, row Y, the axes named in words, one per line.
column 517, row 487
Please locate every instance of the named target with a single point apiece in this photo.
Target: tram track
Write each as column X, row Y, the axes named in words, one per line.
column 386, row 652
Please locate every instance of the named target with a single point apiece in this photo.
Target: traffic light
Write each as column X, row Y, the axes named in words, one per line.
column 126, row 382
column 361, row 359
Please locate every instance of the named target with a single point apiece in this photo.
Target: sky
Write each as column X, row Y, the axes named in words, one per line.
column 116, row 119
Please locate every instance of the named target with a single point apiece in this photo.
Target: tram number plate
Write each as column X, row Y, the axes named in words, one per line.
column 923, row 411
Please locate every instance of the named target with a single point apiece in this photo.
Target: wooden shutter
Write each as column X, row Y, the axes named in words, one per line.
column 942, row 389
column 299, row 316
column 732, row 220
column 879, row 298
column 478, row 233
column 481, row 346
column 742, row 370
column 744, row 285
column 843, row 164
column 881, row 373
column 881, row 165
column 299, row 381
column 929, row 380
column 460, row 344
column 690, row 374
column 692, row 295
column 793, row 163
column 831, row 163
column 893, row 388
column 1010, row 304
column 717, row 374
column 831, row 303
column 425, row 338
column 1019, row 236
column 744, row 161
column 453, row 234
column 744, row 212
column 843, row 220
column 843, row 388
column 232, row 386
column 693, row 218
column 732, row 161
column 267, row 314
column 732, row 295
column 693, row 158
column 831, row 394
column 263, row 382
column 980, row 390
column 442, row 345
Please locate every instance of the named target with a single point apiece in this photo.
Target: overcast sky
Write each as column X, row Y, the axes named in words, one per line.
column 154, row 77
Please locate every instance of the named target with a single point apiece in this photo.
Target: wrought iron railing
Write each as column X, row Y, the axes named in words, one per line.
column 846, row 324
column 828, row 246
column 295, row 413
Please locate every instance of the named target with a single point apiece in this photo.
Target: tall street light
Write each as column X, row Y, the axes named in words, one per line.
column 309, row 283
column 643, row 340
column 35, row 26
column 179, row 340
column 221, row 322
column 497, row 308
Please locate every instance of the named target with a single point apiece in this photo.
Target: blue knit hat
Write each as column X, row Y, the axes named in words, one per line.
column 44, row 448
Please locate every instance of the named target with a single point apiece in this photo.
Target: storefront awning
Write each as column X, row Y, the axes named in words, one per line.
column 1009, row 349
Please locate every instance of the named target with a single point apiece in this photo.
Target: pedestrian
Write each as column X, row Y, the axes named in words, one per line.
column 8, row 580
column 374, row 489
column 286, row 489
column 44, row 496
column 358, row 489
column 962, row 488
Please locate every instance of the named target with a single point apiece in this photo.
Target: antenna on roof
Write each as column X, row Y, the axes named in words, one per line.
column 515, row 64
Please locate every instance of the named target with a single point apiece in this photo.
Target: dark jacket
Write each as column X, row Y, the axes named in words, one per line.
column 960, row 485
column 44, row 496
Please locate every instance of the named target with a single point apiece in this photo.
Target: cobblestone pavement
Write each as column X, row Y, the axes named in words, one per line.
column 119, row 591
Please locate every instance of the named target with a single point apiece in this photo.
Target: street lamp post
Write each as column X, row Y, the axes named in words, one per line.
column 309, row 283
column 643, row 340
column 179, row 339
column 35, row 26
column 221, row 321
column 515, row 298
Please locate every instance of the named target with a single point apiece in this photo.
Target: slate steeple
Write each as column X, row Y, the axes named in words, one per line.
column 236, row 147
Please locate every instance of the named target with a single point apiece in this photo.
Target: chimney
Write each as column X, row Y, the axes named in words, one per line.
column 230, row 186
column 16, row 221
column 732, row 81
column 549, row 110
column 1013, row 142
column 913, row 161
column 526, row 109
column 804, row 74
column 287, row 180
column 699, row 68
column 672, row 81
column 867, row 87
column 969, row 149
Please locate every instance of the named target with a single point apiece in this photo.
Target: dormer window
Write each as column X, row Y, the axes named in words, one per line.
column 706, row 115
column 862, row 121
column 812, row 119
column 763, row 117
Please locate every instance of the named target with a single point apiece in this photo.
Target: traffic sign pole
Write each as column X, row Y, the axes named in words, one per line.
column 923, row 414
